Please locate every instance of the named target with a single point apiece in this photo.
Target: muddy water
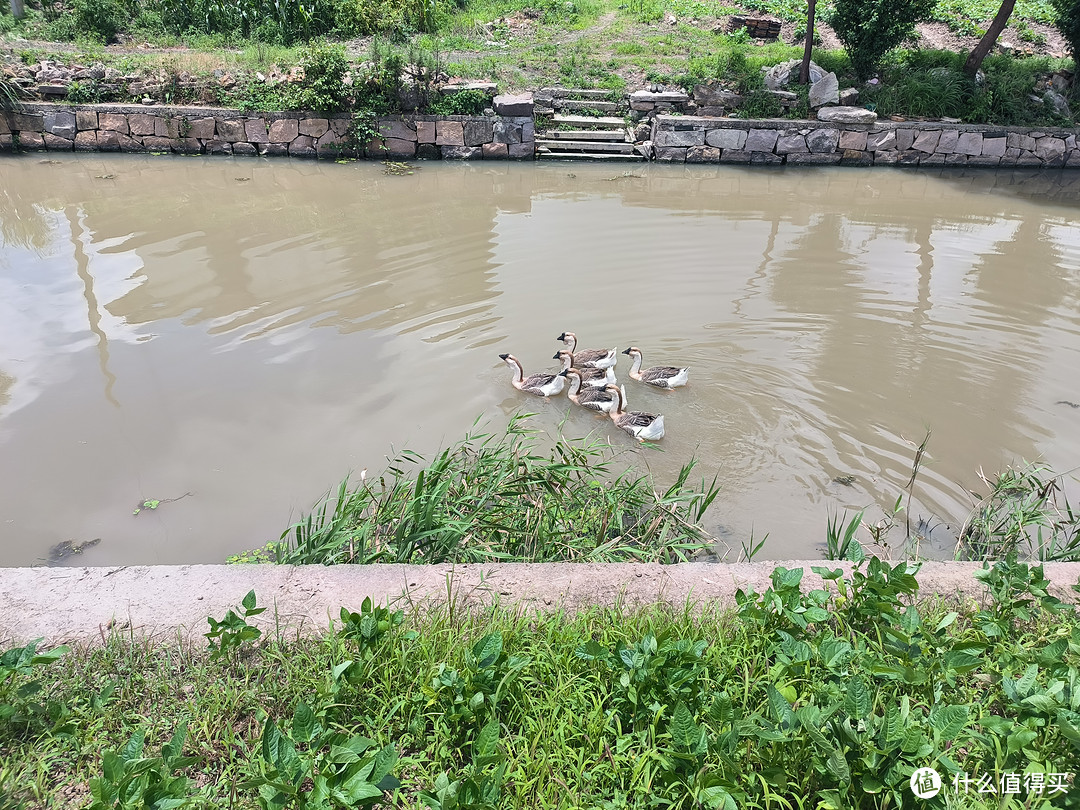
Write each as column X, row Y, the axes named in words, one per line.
column 229, row 338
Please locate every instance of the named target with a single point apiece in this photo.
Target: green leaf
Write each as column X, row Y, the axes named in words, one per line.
column 487, row 741
column 781, row 708
column 303, row 723
column 946, row 621
column 838, row 767
column 356, row 790
column 857, row 699
column 592, row 651
column 488, row 649
column 949, row 721
column 383, row 765
column 684, row 731
column 248, row 601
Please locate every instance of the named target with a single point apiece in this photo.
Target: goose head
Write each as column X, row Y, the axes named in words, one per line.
column 633, row 350
column 569, row 338
column 565, row 357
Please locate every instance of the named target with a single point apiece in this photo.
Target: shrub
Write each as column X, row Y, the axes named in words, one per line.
column 100, row 19
column 324, row 87
column 1068, row 23
column 465, row 102
column 871, row 28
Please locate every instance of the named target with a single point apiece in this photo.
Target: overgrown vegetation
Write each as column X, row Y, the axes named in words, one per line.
column 833, row 694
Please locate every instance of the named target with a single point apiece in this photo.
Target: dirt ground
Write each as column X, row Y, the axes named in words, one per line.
column 86, row 604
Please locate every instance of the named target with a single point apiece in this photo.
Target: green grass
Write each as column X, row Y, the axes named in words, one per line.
column 835, row 696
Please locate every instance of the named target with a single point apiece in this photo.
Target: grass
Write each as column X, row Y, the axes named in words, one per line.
column 836, row 695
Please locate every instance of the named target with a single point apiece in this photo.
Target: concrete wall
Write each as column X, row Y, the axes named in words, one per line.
column 201, row 130
column 691, row 139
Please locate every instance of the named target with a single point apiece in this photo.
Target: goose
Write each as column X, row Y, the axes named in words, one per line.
column 542, row 385
column 590, row 377
column 597, row 399
column 642, row 426
column 588, row 358
column 660, row 376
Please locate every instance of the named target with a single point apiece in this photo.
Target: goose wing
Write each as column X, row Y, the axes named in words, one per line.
column 661, row 372
column 636, row 419
column 592, row 357
column 537, row 381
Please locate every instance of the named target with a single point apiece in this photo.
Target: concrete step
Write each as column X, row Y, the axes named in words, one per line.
column 585, row 146
column 589, row 121
column 576, row 104
column 546, row 155
column 567, row 92
column 584, row 135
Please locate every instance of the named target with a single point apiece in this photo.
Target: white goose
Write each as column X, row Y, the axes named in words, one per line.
column 642, row 426
column 588, row 358
column 597, row 399
column 542, row 385
column 591, row 377
column 660, row 376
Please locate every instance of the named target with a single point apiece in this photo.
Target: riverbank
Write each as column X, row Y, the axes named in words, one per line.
column 792, row 690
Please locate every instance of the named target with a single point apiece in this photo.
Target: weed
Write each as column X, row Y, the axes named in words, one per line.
column 233, row 631
column 18, row 687
column 132, row 781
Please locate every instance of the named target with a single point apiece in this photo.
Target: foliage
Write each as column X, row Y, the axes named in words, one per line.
column 464, row 102
column 275, row 21
column 323, row 88
column 871, row 28
column 495, row 498
column 84, row 92
column 1067, row 21
column 131, row 781
column 18, row 686
column 480, row 788
column 233, row 631
column 934, row 93
column 368, row 628
column 101, row 19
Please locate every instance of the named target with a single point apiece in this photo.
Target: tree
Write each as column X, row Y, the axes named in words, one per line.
column 871, row 28
column 808, row 47
column 1068, row 23
column 1001, row 19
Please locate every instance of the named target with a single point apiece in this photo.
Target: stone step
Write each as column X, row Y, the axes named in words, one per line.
column 545, row 155
column 584, row 135
column 588, row 121
column 567, row 92
column 575, row 104
column 584, row 146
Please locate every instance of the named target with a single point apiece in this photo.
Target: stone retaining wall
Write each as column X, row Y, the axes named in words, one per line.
column 688, row 139
column 200, row 130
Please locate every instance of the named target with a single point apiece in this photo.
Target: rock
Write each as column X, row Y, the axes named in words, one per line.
column 513, row 105
column 780, row 76
column 822, row 141
column 825, row 90
column 708, row 96
column 846, row 115
column 848, row 97
column 642, row 132
column 1058, row 102
column 60, row 125
column 462, row 152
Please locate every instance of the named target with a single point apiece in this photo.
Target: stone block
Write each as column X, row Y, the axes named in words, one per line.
column 376, row 148
column 255, row 130
column 54, row 143
column 761, row 140
column 164, row 127
column 909, row 157
column 734, row 156
column 479, row 132
column 218, row 147
column 428, row 151
column 671, row 154
column 886, row 158
column 509, row 105
column 340, row 126
column 329, row 145
column 1029, row 161
column 230, row 130
column 141, row 124
column 932, row 160
column 187, row 146
column 425, row 132
column 273, row 149
column 398, row 130
column 765, row 159
column 4, row 128
column 823, row 141
column 303, row 146
column 905, row 138
column 1027, row 143
column 284, row 131
column 60, row 124
column 114, row 122
column 846, row 115
column 449, row 133
column 947, row 142
column 86, row 141
column 994, row 147
column 495, row 151
column 927, row 141
column 129, row 144
column 853, row 140
column 825, row 90
column 689, row 137
column 969, row 143
column 1050, row 149
column 726, row 138
column 522, row 151
column 709, row 96
column 400, row 147
column 814, row 158
column 702, row 154
column 27, row 122
column 314, row 127
column 461, row 152
column 157, row 144
column 5, row 143
column 201, row 128
column 1012, row 153
column 790, row 142
column 856, row 157
column 983, row 161
column 528, row 131
column 954, row 159
column 87, row 119
column 108, row 140
column 245, row 149
column 882, row 140
column 507, row 132
column 31, row 140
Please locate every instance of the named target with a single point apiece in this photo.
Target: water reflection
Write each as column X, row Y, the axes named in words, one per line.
column 163, row 330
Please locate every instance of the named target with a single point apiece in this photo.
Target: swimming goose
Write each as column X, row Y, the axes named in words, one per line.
column 591, row 377
column 660, row 376
column 542, row 385
column 642, row 426
column 596, row 399
column 588, row 358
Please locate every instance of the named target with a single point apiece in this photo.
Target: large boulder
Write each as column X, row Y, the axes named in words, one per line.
column 825, row 90
column 846, row 115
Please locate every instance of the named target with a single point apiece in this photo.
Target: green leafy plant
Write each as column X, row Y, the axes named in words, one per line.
column 323, row 88
column 369, row 628
column 481, row 786
column 19, row 687
column 228, row 635
column 871, row 28
column 132, row 781
column 464, row 102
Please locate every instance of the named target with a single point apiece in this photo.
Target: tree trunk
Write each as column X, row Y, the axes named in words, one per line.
column 18, row 8
column 804, row 71
column 1001, row 19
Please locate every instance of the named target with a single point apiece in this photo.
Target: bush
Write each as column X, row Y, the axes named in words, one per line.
column 100, row 19
column 324, row 87
column 465, row 102
column 1068, row 23
column 871, row 28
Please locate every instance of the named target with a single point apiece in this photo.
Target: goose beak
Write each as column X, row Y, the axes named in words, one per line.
column 562, row 336
column 503, row 356
column 556, row 356
column 563, row 373
column 627, row 351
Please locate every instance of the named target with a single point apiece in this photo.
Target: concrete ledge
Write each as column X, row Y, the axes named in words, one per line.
column 83, row 604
